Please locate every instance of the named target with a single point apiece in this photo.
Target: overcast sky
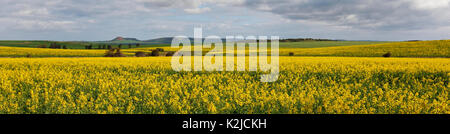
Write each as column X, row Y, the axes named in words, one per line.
column 147, row 19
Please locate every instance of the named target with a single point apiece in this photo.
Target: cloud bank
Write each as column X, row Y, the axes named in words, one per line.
column 365, row 14
column 80, row 19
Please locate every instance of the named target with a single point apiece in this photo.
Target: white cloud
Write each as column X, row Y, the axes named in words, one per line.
column 197, row 10
column 189, row 6
column 38, row 25
column 42, row 12
column 431, row 4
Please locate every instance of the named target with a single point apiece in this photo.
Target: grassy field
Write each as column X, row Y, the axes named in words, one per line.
column 75, row 44
column 35, row 44
column 317, row 44
column 148, row 85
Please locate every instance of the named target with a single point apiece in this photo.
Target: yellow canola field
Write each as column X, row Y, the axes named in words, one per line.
column 316, row 85
column 437, row 48
column 47, row 52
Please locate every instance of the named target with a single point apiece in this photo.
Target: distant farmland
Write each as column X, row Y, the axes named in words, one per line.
column 81, row 45
column 307, row 48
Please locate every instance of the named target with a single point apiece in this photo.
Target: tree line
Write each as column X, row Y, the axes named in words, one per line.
column 109, row 47
column 53, row 46
column 90, row 46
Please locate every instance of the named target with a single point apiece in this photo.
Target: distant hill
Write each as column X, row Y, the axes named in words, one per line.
column 124, row 39
column 305, row 39
column 165, row 40
column 168, row 40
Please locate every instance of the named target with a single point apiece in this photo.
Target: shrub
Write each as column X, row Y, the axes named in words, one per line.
column 54, row 45
column 140, row 54
column 387, row 54
column 88, row 46
column 114, row 53
column 170, row 53
column 291, row 53
column 109, row 53
column 118, row 53
column 160, row 49
column 155, row 52
column 42, row 46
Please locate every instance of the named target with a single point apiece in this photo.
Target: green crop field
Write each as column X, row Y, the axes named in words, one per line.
column 316, row 44
column 77, row 44
column 36, row 44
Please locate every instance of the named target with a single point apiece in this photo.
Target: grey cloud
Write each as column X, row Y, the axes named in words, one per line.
column 105, row 18
column 66, row 15
column 94, row 8
column 366, row 14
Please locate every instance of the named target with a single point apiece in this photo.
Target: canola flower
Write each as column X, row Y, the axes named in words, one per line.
column 313, row 85
column 47, row 52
